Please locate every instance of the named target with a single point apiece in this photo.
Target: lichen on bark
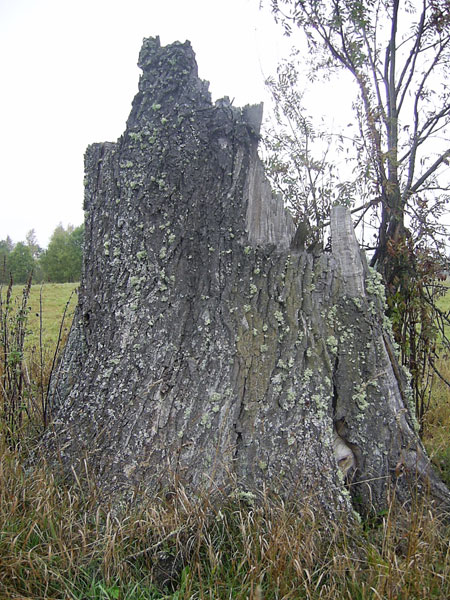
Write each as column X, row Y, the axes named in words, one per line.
column 207, row 350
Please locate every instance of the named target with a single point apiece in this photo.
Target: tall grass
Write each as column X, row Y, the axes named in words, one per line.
column 436, row 425
column 60, row 539
column 28, row 353
column 437, row 422
column 14, row 379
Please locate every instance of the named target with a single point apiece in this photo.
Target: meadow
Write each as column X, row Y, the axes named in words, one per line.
column 437, row 419
column 60, row 539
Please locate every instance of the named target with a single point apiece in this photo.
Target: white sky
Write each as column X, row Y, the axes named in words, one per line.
column 68, row 74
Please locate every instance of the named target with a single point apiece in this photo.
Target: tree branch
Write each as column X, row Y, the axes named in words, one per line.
column 411, row 58
column 415, row 188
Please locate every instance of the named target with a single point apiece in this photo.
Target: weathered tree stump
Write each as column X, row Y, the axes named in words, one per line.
column 207, row 350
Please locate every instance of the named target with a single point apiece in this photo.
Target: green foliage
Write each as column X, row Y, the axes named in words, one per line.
column 307, row 182
column 19, row 260
column 5, row 248
column 33, row 244
column 437, row 416
column 21, row 263
column 300, row 157
column 62, row 260
column 420, row 326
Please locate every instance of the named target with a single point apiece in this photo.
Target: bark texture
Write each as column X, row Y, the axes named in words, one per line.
column 205, row 348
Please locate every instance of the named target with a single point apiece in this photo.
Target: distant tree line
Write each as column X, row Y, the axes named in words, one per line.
column 59, row 263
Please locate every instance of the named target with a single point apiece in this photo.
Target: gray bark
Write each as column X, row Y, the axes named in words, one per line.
column 205, row 348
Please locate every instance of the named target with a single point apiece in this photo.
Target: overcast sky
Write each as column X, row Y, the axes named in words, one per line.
column 68, row 74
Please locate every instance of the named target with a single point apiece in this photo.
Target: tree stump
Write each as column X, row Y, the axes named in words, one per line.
column 208, row 349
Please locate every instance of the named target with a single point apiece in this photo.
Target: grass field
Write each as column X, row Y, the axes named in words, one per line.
column 54, row 299
column 59, row 540
column 34, row 324
column 437, row 419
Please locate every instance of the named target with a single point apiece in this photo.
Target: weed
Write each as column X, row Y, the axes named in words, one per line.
column 27, row 359
column 61, row 539
column 14, row 379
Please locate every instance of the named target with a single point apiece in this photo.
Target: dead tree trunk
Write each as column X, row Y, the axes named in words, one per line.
column 205, row 348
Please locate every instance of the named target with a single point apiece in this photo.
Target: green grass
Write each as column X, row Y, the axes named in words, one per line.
column 50, row 312
column 444, row 302
column 54, row 298
column 437, row 418
column 60, row 540
column 34, row 324
column 436, row 436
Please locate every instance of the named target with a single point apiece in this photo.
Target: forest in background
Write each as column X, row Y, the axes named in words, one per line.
column 60, row 262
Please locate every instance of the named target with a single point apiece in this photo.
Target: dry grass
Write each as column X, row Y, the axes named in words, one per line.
column 59, row 540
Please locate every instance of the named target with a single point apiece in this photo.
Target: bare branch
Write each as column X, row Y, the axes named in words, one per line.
column 438, row 373
column 415, row 188
column 375, row 70
column 412, row 58
column 417, row 135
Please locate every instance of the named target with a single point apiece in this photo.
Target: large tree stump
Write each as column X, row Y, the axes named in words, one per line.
column 207, row 350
